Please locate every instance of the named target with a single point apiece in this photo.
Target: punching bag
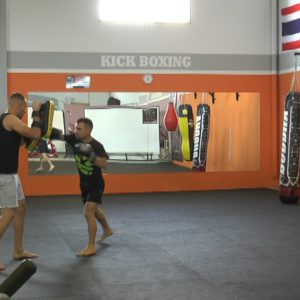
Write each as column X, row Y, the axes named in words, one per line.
column 201, row 137
column 18, row 277
column 289, row 162
column 186, row 128
column 170, row 118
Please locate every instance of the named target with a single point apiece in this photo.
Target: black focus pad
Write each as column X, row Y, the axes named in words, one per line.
column 46, row 115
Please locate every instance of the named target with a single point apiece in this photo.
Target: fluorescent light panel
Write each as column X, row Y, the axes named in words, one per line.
column 145, row 11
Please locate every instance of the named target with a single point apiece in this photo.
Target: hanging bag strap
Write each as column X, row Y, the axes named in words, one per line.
column 295, row 80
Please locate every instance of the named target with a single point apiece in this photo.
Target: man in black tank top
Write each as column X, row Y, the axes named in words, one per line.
column 12, row 202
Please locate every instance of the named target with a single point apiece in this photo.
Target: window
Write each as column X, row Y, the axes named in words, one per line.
column 145, row 11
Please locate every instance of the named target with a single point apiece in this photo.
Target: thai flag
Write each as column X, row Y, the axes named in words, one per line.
column 290, row 17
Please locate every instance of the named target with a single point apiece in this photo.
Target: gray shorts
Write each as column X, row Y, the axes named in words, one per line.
column 10, row 190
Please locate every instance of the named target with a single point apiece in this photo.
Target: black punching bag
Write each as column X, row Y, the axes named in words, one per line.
column 201, row 137
column 289, row 162
column 18, row 277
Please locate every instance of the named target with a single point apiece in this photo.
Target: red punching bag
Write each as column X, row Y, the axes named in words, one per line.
column 171, row 118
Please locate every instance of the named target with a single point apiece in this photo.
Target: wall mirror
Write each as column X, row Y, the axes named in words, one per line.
column 131, row 126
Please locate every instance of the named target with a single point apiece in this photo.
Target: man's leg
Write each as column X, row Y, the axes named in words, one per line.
column 46, row 158
column 102, row 219
column 8, row 201
column 40, row 168
column 90, row 209
column 7, row 215
column 19, row 219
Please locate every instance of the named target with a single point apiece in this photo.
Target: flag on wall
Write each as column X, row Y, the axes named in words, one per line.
column 290, row 25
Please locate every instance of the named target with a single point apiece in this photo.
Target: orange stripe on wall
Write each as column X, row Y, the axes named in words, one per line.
column 187, row 181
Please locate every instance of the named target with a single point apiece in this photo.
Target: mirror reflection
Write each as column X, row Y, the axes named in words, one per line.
column 156, row 132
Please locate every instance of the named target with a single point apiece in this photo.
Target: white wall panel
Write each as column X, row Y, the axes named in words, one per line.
column 218, row 27
column 122, row 130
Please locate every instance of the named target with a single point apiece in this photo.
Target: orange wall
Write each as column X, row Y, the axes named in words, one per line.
column 267, row 176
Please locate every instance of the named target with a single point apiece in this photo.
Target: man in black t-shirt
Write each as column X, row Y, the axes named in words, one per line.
column 90, row 157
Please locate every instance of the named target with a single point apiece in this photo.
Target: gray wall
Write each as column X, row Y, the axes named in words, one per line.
column 231, row 35
column 217, row 27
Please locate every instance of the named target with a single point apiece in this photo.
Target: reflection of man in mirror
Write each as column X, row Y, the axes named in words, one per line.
column 113, row 101
column 12, row 199
column 71, row 126
column 43, row 153
column 90, row 157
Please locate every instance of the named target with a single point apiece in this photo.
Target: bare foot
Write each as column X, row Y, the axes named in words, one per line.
column 88, row 251
column 2, row 267
column 24, row 254
column 105, row 235
column 51, row 168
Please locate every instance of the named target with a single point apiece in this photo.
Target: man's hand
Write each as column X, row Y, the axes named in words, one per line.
column 56, row 134
column 36, row 105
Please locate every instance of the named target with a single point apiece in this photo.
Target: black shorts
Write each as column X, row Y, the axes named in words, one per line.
column 43, row 147
column 91, row 193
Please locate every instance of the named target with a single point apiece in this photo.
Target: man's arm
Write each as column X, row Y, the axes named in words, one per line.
column 101, row 162
column 101, row 157
column 57, row 134
column 13, row 123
